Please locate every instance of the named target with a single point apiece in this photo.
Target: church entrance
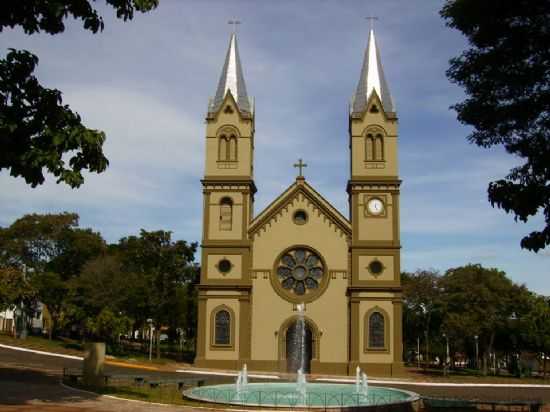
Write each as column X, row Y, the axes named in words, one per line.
column 299, row 346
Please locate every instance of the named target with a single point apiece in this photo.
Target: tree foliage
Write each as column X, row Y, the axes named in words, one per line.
column 37, row 132
column 506, row 76
column 44, row 252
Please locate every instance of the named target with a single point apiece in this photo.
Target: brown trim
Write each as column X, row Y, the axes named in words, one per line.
column 237, row 180
column 357, row 252
column 244, row 220
column 224, row 287
column 375, row 244
column 355, row 217
column 244, row 329
column 395, row 212
column 309, row 297
column 398, row 331
column 227, row 244
column 232, row 319
column 206, row 217
column 375, row 287
column 354, row 339
column 387, row 325
column 245, row 265
column 201, row 329
column 374, row 179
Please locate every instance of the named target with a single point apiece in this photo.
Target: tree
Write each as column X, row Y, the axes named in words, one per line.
column 536, row 327
column 506, row 77
column 478, row 302
column 99, row 298
column 46, row 251
column 37, row 132
column 161, row 265
column 422, row 303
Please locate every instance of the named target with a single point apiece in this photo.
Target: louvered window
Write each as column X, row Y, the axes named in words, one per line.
column 226, row 214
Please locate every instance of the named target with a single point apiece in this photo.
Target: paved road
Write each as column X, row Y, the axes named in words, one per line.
column 30, row 382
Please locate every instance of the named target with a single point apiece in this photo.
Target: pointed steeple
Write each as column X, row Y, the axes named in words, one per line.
column 232, row 80
column 372, row 79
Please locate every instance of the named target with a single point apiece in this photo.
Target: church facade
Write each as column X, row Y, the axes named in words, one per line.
column 301, row 252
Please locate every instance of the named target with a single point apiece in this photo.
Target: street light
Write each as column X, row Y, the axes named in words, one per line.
column 447, row 358
column 150, row 322
column 477, row 351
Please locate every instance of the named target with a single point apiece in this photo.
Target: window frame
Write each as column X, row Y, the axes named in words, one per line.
column 366, row 331
column 232, row 321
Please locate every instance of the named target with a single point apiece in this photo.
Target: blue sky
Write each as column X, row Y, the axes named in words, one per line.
column 146, row 83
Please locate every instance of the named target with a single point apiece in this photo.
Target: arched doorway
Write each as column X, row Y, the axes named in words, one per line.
column 299, row 346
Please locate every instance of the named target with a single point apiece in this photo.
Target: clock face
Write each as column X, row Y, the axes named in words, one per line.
column 375, row 206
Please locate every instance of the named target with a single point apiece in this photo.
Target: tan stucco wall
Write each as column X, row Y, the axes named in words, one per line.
column 359, row 127
column 375, row 228
column 234, row 273
column 211, row 304
column 236, row 232
column 329, row 311
column 387, row 262
column 245, row 143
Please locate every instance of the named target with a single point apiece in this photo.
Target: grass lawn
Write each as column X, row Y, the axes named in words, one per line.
column 65, row 346
column 467, row 376
column 72, row 347
column 166, row 394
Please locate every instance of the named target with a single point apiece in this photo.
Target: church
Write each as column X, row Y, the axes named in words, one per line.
column 300, row 252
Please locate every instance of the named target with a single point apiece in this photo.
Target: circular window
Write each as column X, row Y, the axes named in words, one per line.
column 300, row 275
column 376, row 267
column 300, row 217
column 224, row 266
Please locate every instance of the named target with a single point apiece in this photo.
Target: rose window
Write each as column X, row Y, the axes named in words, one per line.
column 300, row 271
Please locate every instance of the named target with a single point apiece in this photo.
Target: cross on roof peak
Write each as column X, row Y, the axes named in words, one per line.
column 300, row 165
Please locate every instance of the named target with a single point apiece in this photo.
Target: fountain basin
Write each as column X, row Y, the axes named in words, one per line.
column 317, row 395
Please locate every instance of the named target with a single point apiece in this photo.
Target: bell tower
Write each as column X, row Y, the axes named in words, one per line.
column 373, row 192
column 228, row 190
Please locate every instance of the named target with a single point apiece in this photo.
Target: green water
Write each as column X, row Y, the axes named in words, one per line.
column 286, row 395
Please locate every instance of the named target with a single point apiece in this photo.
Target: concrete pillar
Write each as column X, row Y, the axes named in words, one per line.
column 94, row 360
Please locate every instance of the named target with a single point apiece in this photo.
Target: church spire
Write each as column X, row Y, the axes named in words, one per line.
column 372, row 78
column 232, row 80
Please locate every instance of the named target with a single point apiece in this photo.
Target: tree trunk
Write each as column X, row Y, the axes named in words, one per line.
column 544, row 365
column 157, row 338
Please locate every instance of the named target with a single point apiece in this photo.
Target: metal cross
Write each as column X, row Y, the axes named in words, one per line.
column 234, row 23
column 371, row 20
column 300, row 165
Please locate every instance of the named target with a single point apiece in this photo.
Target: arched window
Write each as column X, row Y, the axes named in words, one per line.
column 232, row 154
column 369, row 147
column 377, row 331
column 222, row 329
column 379, row 148
column 227, row 148
column 226, row 214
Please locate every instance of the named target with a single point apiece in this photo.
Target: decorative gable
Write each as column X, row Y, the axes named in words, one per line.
column 300, row 197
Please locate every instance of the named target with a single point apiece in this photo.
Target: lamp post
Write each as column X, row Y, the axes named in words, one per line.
column 418, row 351
column 447, row 357
column 150, row 322
column 477, row 351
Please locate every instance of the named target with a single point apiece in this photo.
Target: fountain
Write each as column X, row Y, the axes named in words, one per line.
column 241, row 384
column 300, row 393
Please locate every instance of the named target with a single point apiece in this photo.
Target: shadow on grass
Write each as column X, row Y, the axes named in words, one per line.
column 21, row 386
